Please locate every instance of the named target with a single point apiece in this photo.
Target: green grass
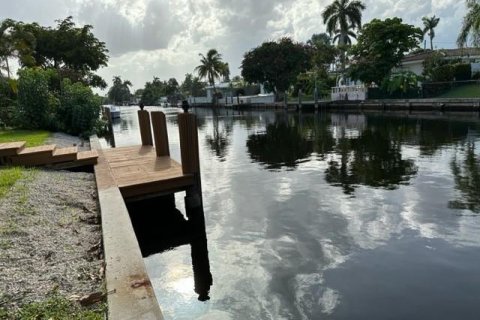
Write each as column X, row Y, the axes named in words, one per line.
column 55, row 307
column 33, row 138
column 465, row 91
column 10, row 175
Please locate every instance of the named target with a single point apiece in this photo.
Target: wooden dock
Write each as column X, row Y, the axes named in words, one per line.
column 135, row 173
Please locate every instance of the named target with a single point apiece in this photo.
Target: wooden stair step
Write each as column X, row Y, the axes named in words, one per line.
column 48, row 148
column 11, row 148
column 34, row 156
column 87, row 157
column 64, row 154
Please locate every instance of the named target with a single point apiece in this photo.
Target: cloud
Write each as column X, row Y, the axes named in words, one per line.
column 163, row 38
column 148, row 26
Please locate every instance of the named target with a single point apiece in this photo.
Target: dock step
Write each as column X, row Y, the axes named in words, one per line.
column 64, row 154
column 34, row 156
column 11, row 148
column 87, row 157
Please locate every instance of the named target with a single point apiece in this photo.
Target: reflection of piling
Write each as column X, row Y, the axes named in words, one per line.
column 201, row 266
column 299, row 100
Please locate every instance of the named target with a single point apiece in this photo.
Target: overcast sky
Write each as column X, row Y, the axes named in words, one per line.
column 163, row 38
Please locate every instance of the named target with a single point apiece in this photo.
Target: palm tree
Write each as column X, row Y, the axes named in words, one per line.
column 471, row 25
column 429, row 25
column 211, row 67
column 120, row 91
column 342, row 17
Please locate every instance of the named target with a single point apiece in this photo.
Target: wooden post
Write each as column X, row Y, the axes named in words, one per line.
column 160, row 133
column 145, row 129
column 108, row 115
column 187, row 126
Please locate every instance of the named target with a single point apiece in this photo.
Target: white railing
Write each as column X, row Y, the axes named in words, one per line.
column 349, row 93
column 199, row 100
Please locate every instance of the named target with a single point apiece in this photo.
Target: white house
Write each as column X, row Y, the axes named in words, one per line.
column 414, row 62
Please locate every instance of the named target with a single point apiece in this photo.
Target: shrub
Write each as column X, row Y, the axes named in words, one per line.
column 443, row 73
column 79, row 109
column 462, row 71
column 36, row 104
column 8, row 101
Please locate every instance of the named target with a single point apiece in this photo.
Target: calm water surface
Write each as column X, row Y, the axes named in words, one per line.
column 329, row 216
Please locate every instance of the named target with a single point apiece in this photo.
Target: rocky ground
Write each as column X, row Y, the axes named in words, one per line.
column 50, row 236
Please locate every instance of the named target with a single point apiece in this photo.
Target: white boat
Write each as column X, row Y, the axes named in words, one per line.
column 115, row 112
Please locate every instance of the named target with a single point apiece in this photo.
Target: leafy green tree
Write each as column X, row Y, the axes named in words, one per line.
column 323, row 52
column 69, row 46
column 172, row 87
column 120, row 91
column 212, row 67
column 429, row 25
column 276, row 64
column 15, row 42
column 381, row 46
column 74, row 51
column 192, row 86
column 78, row 110
column 153, row 91
column 471, row 25
column 36, row 103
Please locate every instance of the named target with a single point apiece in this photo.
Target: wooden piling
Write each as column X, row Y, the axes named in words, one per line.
column 187, row 125
column 160, row 133
column 108, row 115
column 145, row 129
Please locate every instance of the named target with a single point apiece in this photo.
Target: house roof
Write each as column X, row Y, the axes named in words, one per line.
column 448, row 53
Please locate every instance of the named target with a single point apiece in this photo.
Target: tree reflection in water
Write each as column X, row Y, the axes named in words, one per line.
column 282, row 145
column 371, row 159
column 467, row 180
column 219, row 141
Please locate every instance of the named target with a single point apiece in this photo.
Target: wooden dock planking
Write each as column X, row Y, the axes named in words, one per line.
column 138, row 171
column 11, row 148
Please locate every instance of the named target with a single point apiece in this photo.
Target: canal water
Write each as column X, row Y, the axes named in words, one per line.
column 329, row 216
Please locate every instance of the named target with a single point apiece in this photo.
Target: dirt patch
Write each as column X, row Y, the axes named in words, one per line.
column 50, row 238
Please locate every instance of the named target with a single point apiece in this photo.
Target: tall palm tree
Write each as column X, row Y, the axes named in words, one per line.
column 429, row 25
column 471, row 25
column 341, row 17
column 211, row 67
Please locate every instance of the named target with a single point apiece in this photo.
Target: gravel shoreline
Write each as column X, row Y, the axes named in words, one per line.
column 50, row 236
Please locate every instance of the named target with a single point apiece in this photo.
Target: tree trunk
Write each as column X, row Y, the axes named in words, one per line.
column 8, row 67
column 431, row 42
